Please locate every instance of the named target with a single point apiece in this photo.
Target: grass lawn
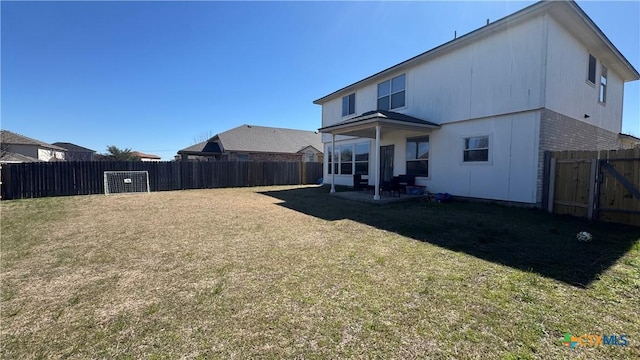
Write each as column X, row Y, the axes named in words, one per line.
column 292, row 272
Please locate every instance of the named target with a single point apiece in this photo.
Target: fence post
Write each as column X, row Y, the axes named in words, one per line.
column 552, row 184
column 546, row 165
column 592, row 185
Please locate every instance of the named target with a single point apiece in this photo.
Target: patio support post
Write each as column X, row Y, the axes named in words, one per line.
column 376, row 196
column 333, row 159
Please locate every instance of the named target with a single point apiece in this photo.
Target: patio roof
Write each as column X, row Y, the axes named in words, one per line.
column 371, row 125
column 365, row 125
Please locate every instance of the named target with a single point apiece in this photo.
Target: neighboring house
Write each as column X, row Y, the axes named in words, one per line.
column 629, row 141
column 258, row 143
column 14, row 158
column 19, row 148
column 76, row 152
column 146, row 157
column 473, row 116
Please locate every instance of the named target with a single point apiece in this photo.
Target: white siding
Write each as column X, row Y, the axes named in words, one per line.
column 568, row 91
column 501, row 73
column 495, row 75
column 512, row 172
column 510, row 176
column 48, row 155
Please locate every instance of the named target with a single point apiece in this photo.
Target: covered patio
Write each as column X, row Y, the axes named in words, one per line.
column 373, row 124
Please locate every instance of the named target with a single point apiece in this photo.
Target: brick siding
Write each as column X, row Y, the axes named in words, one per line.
column 559, row 132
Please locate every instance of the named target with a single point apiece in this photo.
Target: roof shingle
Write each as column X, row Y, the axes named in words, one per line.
column 251, row 138
column 72, row 147
column 12, row 138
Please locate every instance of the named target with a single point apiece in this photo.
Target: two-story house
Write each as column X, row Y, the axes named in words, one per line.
column 76, row 152
column 18, row 148
column 473, row 116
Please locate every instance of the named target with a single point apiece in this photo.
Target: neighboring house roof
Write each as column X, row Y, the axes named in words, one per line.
column 11, row 157
column 628, row 137
column 309, row 147
column 203, row 147
column 145, row 156
column 12, row 138
column 573, row 17
column 251, row 138
column 72, row 147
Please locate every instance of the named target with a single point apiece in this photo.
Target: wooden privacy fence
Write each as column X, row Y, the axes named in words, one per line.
column 42, row 179
column 599, row 185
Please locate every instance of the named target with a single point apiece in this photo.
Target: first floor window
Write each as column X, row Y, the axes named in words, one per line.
column 362, row 159
column 476, row 149
column 418, row 156
column 330, row 169
column 348, row 159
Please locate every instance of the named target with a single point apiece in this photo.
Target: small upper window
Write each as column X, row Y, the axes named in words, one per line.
column 476, row 149
column 603, row 85
column 391, row 93
column 348, row 105
column 591, row 73
column 243, row 157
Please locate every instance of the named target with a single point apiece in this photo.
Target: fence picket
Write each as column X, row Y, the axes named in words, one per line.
column 42, row 179
column 613, row 202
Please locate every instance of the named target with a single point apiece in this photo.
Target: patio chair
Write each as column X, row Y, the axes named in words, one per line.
column 360, row 184
column 406, row 180
column 395, row 186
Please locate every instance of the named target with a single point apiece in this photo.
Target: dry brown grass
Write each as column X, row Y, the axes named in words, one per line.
column 229, row 273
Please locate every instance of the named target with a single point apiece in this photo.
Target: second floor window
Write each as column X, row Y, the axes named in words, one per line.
column 603, row 85
column 391, row 93
column 348, row 105
column 591, row 71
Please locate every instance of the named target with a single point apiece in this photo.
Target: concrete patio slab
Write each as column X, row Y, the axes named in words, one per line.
column 367, row 197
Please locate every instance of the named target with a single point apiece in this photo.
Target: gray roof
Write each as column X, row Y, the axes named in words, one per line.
column 628, row 136
column 145, row 156
column 384, row 114
column 72, row 147
column 251, row 138
column 203, row 147
column 11, row 157
column 12, row 138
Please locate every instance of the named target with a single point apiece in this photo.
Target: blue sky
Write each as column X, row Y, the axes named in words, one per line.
column 156, row 76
